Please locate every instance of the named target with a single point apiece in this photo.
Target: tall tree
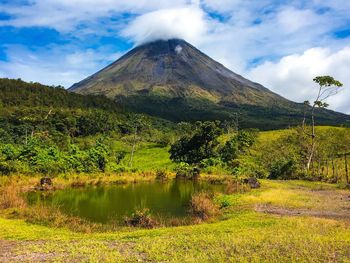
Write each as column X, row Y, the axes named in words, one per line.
column 327, row 87
column 138, row 123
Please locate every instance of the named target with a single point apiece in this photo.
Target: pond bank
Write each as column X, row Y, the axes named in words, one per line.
column 244, row 236
column 13, row 202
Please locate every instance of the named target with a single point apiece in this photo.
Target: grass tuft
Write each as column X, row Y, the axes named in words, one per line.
column 141, row 218
column 203, row 207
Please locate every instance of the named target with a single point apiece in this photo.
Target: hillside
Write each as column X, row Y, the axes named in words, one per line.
column 174, row 80
column 15, row 92
column 32, row 109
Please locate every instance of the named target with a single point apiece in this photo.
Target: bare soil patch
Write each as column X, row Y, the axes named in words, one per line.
column 332, row 204
column 15, row 251
column 6, row 247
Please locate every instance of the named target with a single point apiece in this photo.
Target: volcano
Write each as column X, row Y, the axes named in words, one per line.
column 174, row 80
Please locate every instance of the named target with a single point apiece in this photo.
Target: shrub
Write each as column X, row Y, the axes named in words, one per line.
column 185, row 171
column 162, row 175
column 141, row 218
column 210, row 162
column 201, row 145
column 203, row 207
column 246, row 166
column 117, row 168
column 238, row 145
column 9, row 152
column 283, row 169
column 224, row 201
column 119, row 156
column 6, row 168
column 229, row 151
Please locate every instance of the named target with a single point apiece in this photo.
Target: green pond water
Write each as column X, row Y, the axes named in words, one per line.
column 103, row 204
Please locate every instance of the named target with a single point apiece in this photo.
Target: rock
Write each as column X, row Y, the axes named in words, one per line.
column 46, row 181
column 44, row 185
column 252, row 182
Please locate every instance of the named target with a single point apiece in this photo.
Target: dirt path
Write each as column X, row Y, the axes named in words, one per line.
column 302, row 212
column 6, row 248
column 15, row 251
column 332, row 204
column 9, row 252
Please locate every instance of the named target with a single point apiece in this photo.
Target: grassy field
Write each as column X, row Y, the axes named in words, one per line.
column 283, row 221
column 150, row 156
column 147, row 155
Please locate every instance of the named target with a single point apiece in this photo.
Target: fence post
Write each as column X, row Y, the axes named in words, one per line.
column 346, row 168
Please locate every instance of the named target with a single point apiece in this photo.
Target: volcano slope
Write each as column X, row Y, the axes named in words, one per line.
column 175, row 81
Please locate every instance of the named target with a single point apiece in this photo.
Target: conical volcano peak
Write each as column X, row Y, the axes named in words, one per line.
column 174, row 66
column 167, row 77
column 169, row 43
column 163, row 47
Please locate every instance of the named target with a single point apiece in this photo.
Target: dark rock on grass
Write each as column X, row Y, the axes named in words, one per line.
column 45, row 184
column 252, row 182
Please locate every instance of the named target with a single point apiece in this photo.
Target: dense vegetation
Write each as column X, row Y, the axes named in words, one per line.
column 275, row 155
column 249, row 116
column 50, row 130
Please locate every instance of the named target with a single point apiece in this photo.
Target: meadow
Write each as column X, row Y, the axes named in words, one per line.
column 283, row 221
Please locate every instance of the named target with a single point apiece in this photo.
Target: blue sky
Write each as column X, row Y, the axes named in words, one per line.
column 281, row 44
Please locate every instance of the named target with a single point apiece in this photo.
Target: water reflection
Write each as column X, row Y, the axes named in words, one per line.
column 105, row 203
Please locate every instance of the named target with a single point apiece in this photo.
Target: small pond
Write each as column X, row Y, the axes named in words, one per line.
column 103, row 204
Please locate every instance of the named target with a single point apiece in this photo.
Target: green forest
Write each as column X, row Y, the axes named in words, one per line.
column 49, row 130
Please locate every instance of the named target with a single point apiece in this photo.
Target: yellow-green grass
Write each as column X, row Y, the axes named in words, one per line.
column 147, row 156
column 292, row 194
column 265, row 136
column 243, row 236
column 150, row 157
column 26, row 183
column 320, row 166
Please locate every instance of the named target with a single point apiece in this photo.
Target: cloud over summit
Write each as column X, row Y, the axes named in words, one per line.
column 186, row 22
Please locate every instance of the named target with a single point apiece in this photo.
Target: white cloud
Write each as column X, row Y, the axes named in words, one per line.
column 67, row 15
column 292, row 75
column 57, row 66
column 187, row 23
column 248, row 35
column 292, row 20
